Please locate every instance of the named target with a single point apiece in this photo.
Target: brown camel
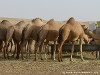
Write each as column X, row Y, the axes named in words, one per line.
column 96, row 31
column 16, row 32
column 96, row 40
column 71, row 31
column 30, row 33
column 92, row 34
column 4, row 26
column 48, row 32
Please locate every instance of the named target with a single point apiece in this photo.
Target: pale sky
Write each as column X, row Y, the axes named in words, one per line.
column 83, row 10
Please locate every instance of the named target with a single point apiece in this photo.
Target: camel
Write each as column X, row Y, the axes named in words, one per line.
column 71, row 31
column 95, row 35
column 92, row 34
column 95, row 41
column 96, row 31
column 18, row 34
column 30, row 33
column 4, row 26
column 48, row 32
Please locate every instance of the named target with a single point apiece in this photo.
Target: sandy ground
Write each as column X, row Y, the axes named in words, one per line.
column 91, row 66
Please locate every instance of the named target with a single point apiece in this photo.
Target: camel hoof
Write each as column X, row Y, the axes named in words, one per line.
column 41, row 58
column 54, row 59
column 59, row 60
column 71, row 60
column 82, row 59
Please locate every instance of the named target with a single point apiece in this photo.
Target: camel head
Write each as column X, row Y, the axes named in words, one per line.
column 88, row 32
column 71, row 21
column 86, row 38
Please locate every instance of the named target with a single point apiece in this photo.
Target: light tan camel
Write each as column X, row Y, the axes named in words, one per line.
column 4, row 26
column 48, row 32
column 16, row 32
column 30, row 33
column 71, row 31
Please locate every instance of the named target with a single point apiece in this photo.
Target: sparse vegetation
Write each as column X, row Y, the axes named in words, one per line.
column 98, row 23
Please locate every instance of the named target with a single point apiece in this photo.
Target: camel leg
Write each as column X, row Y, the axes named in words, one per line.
column 18, row 51
column 46, row 48
column 22, row 45
column 4, row 54
column 36, row 48
column 40, row 49
column 4, row 51
column 81, row 49
column 11, row 46
column 26, row 45
column 77, row 53
column 60, row 51
column 15, row 50
column 72, row 50
column 7, row 50
column 54, row 50
column 29, row 47
column 1, row 46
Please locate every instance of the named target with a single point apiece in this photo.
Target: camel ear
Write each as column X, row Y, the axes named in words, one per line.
column 85, row 28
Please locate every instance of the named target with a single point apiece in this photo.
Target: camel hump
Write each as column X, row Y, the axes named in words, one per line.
column 37, row 21
column 21, row 23
column 71, row 20
column 51, row 21
column 5, row 22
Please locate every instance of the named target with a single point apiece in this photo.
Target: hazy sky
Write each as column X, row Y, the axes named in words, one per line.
column 83, row 10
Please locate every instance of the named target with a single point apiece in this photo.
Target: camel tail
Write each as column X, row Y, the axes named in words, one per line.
column 24, row 32
column 37, row 40
column 10, row 32
column 60, row 37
